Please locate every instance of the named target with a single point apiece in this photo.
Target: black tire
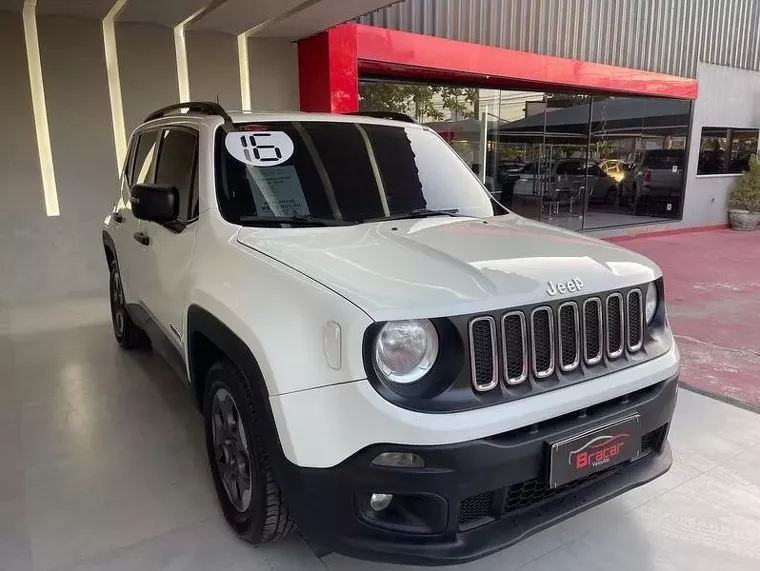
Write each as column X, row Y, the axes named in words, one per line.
column 127, row 333
column 265, row 518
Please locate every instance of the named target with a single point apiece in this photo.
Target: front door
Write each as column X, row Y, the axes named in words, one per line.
column 169, row 247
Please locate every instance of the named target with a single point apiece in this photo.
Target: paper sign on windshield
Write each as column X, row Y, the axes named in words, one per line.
column 260, row 148
column 277, row 192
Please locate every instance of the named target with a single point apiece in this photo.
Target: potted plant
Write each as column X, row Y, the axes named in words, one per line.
column 744, row 204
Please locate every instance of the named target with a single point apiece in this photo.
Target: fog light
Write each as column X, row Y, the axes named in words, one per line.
column 378, row 502
column 399, row 460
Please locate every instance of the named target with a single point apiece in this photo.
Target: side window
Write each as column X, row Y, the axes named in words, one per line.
column 177, row 163
column 143, row 157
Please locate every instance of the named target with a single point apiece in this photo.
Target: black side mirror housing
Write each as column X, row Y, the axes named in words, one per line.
column 155, row 202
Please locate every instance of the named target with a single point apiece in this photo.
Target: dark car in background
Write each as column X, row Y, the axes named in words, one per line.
column 654, row 185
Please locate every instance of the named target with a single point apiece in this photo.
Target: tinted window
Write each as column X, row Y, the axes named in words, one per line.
column 726, row 151
column 342, row 171
column 143, row 157
column 176, row 166
column 743, row 146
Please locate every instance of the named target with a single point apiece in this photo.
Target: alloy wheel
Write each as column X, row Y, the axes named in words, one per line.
column 233, row 459
column 117, row 304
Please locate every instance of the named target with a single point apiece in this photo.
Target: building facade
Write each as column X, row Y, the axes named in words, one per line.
column 601, row 115
column 672, row 163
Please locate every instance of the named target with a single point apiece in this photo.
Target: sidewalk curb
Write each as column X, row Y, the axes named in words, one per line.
column 722, row 398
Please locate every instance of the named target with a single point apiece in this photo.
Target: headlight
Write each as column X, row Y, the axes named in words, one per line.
column 651, row 304
column 406, row 350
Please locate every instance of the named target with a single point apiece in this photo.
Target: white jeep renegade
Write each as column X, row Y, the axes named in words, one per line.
column 385, row 357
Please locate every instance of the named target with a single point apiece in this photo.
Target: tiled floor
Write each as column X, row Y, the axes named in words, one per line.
column 102, row 467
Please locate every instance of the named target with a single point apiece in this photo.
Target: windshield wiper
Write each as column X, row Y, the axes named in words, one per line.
column 299, row 219
column 417, row 213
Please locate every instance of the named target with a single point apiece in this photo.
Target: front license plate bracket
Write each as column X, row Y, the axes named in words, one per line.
column 595, row 450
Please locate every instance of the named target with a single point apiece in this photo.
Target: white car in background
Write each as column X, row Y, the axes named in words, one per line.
column 566, row 180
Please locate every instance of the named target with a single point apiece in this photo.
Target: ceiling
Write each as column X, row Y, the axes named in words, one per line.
column 287, row 19
column 164, row 12
column 11, row 5
column 84, row 8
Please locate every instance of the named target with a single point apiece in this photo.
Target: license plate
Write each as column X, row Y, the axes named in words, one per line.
column 582, row 455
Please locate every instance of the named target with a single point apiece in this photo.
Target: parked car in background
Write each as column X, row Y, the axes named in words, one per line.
column 655, row 183
column 567, row 180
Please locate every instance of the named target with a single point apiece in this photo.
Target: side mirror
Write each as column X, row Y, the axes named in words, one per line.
column 155, row 202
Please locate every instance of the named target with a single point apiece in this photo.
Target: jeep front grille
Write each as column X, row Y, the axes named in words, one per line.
column 635, row 319
column 514, row 347
column 483, row 353
column 593, row 345
column 569, row 344
column 614, row 325
column 542, row 341
column 556, row 339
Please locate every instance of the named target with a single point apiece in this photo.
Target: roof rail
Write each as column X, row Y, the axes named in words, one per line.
column 202, row 107
column 392, row 115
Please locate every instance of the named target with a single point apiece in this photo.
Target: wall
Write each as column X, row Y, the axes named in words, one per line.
column 148, row 69
column 53, row 257
column 213, row 67
column 84, row 157
column 727, row 98
column 274, row 74
column 23, row 204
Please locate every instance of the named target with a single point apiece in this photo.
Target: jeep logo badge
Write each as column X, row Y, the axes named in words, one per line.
column 572, row 286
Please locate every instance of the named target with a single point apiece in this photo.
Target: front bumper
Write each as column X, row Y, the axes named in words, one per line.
column 472, row 498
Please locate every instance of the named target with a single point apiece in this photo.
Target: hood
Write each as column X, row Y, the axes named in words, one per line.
column 440, row 266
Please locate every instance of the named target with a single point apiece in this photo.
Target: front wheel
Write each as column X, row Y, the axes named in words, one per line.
column 240, row 466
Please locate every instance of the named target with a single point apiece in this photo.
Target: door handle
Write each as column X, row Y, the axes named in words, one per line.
column 143, row 238
column 118, row 218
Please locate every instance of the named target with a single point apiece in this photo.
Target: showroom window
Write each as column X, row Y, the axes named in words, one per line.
column 574, row 160
column 724, row 150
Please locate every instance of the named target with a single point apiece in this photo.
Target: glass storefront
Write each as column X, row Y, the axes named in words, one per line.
column 573, row 160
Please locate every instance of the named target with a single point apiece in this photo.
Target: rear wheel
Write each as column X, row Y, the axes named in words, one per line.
column 240, row 466
column 127, row 333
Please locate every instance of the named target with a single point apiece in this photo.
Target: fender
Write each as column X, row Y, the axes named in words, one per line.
column 232, row 347
column 201, row 321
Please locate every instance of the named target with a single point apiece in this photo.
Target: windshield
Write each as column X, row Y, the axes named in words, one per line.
column 341, row 171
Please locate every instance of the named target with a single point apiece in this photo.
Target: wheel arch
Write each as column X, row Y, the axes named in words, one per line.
column 209, row 340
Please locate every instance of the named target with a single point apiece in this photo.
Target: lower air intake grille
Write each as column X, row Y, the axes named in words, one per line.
column 476, row 510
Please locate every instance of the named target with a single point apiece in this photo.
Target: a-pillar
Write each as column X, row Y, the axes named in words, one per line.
column 328, row 72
